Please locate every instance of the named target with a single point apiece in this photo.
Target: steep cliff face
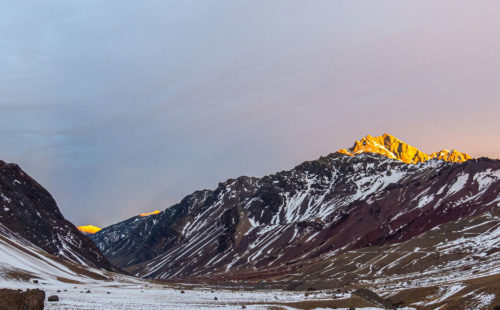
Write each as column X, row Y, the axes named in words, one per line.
column 27, row 210
column 394, row 148
column 319, row 209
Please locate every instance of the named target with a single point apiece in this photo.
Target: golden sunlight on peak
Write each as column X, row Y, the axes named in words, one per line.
column 89, row 229
column 391, row 147
column 149, row 213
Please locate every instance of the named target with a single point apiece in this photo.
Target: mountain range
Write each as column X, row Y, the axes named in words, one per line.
column 421, row 230
column 376, row 196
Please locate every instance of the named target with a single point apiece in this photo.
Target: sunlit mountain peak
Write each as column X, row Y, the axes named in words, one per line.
column 394, row 148
column 88, row 229
column 149, row 213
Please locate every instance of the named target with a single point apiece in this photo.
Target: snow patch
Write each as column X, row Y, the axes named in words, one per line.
column 459, row 184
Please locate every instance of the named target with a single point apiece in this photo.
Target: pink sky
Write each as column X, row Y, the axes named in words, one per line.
column 130, row 107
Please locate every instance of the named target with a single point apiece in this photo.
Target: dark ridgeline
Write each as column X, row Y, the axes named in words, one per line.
column 28, row 211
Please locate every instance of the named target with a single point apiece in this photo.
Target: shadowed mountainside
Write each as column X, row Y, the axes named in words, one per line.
column 29, row 212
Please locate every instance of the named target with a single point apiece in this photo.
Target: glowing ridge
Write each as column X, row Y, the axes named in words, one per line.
column 89, row 229
column 149, row 213
column 394, row 148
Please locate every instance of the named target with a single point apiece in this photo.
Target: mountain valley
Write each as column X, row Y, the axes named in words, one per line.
column 381, row 225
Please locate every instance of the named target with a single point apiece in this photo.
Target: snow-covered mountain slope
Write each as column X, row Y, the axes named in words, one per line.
column 29, row 212
column 455, row 265
column 23, row 261
column 319, row 209
column 26, row 266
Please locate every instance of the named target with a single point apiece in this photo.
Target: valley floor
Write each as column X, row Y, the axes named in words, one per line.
column 134, row 294
column 461, row 280
column 23, row 266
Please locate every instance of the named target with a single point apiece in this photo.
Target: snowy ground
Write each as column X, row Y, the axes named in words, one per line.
column 24, row 266
column 143, row 295
column 136, row 296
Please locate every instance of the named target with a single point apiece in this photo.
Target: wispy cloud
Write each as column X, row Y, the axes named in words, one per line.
column 127, row 107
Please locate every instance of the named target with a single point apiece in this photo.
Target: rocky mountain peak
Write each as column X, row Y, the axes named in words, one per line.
column 451, row 156
column 391, row 147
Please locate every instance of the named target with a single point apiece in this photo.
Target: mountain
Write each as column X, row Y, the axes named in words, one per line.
column 394, row 148
column 29, row 212
column 276, row 226
column 21, row 261
column 88, row 229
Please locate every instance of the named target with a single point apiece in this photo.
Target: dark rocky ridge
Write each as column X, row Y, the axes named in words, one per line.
column 28, row 211
column 320, row 208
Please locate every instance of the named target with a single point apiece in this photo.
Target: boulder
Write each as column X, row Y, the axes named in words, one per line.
column 22, row 300
column 53, row 298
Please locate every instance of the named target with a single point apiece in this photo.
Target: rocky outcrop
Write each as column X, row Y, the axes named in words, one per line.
column 374, row 298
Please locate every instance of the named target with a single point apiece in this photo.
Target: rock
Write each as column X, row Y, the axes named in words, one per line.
column 108, row 292
column 28, row 300
column 35, row 281
column 88, row 292
column 243, row 307
column 34, row 299
column 53, row 298
column 58, row 291
column 215, row 298
column 374, row 298
column 182, row 292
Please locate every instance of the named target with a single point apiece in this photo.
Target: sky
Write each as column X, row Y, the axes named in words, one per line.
column 123, row 107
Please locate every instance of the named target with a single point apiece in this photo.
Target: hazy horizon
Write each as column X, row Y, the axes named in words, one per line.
column 122, row 108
